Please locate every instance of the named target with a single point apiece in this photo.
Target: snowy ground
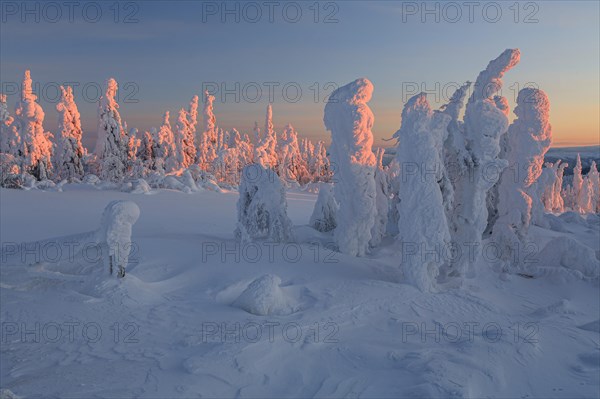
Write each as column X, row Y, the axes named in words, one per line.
column 337, row 326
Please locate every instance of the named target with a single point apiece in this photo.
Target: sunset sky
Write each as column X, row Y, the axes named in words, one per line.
column 167, row 54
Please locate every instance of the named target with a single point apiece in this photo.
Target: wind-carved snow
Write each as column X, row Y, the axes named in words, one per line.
column 349, row 119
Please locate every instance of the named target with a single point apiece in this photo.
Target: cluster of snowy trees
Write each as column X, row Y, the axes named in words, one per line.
column 453, row 183
column 29, row 153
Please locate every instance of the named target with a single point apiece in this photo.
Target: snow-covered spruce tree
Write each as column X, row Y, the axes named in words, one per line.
column 349, row 119
column 265, row 152
column 484, row 125
column 593, row 177
column 35, row 145
column 577, row 185
column 144, row 157
column 323, row 217
column 10, row 140
column 381, row 201
column 114, row 234
column 185, row 132
column 291, row 165
column 164, row 147
column 69, row 152
column 549, row 186
column 457, row 160
column 423, row 229
column 262, row 206
column 527, row 141
column 207, row 142
column 111, row 144
column 319, row 165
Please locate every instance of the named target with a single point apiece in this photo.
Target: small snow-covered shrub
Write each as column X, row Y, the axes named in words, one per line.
column 115, row 234
column 262, row 206
column 263, row 297
column 323, row 217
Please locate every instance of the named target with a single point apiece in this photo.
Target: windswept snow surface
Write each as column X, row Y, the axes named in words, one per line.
column 333, row 325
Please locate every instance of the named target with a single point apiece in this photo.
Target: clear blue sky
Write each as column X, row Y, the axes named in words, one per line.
column 171, row 48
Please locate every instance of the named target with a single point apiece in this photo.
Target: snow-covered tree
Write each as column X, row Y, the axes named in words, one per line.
column 10, row 140
column 593, row 177
column 319, row 165
column 349, row 119
column 423, row 228
column 35, row 145
column 265, row 153
column 207, row 143
column 381, row 201
column 291, row 165
column 550, row 186
column 111, row 144
column 114, row 234
column 262, row 206
column 69, row 152
column 323, row 217
column 484, row 125
column 185, row 134
column 165, row 150
column 527, row 141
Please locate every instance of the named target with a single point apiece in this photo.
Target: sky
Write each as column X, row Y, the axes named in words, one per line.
column 294, row 54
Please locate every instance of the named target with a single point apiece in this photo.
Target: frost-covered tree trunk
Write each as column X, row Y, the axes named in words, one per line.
column 111, row 144
column 485, row 123
column 527, row 141
column 422, row 225
column 35, row 145
column 69, row 152
column 349, row 119
column 262, row 206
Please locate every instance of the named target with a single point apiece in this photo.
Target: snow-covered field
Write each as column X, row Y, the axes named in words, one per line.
column 332, row 325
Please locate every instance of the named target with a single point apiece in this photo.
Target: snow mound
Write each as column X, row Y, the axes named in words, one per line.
column 140, row 186
column 570, row 254
column 593, row 326
column 264, row 297
column 7, row 394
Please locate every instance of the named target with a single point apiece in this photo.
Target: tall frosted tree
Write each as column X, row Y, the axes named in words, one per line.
column 423, row 230
column 111, row 144
column 208, row 140
column 265, row 152
column 69, row 152
column 10, row 140
column 349, row 119
column 527, row 141
column 484, row 124
column 164, row 149
column 35, row 145
column 186, row 133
